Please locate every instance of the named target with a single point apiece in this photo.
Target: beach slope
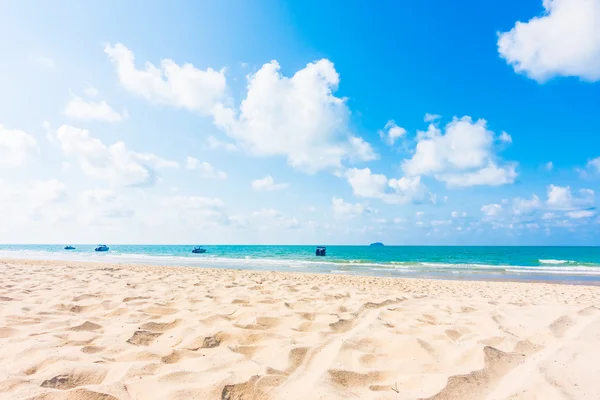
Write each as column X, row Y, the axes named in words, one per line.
column 104, row 331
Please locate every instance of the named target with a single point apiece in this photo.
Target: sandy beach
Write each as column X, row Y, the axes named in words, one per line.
column 105, row 331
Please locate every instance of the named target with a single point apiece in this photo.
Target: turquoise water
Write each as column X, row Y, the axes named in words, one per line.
column 571, row 264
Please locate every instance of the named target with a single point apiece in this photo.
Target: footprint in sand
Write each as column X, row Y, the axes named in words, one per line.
column 560, row 326
column 91, row 349
column 87, row 326
column 476, row 384
column 350, row 379
column 74, row 379
column 143, row 338
column 160, row 326
column 160, row 310
column 77, row 394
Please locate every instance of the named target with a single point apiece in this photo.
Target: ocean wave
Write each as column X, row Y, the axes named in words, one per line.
column 317, row 264
column 550, row 261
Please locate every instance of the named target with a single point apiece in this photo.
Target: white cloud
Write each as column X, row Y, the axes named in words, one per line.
column 491, row 175
column 491, row 210
column 579, row 214
column 90, row 91
column 431, row 117
column 594, row 164
column 341, row 209
column 104, row 203
column 549, row 166
column 549, row 215
column 505, row 137
column 15, row 146
column 83, row 110
column 419, row 214
column 205, row 209
column 269, row 218
column 391, row 132
column 215, row 144
column 561, row 198
column 170, row 84
column 393, row 191
column 462, row 156
column 441, row 222
column 207, row 171
column 268, row 184
column 99, row 196
column 49, row 191
column 564, row 41
column 297, row 117
column 191, row 163
column 115, row 164
column 524, row 206
column 456, row 214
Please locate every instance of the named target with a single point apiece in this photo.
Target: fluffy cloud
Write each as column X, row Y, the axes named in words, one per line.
column 207, row 171
column 15, row 146
column 549, row 166
column 170, row 84
column 564, row 41
column 115, row 163
column 268, row 184
column 505, row 137
column 491, row 210
column 198, row 209
column 594, row 164
column 297, row 117
column 104, row 203
column 579, row 214
column 393, row 191
column 341, row 209
column 49, row 191
column 216, row 144
column 456, row 214
column 87, row 110
column 391, row 132
column 524, row 206
column 561, row 198
column 269, row 218
column 462, row 156
column 431, row 117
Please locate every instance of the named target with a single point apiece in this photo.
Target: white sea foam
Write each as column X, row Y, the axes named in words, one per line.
column 548, row 267
column 556, row 261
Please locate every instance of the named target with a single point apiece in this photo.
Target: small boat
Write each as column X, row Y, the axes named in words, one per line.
column 69, row 248
column 102, row 247
column 321, row 251
column 199, row 250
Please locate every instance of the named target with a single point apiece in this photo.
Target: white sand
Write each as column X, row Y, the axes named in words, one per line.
column 99, row 331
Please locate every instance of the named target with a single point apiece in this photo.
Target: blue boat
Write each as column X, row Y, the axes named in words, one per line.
column 321, row 251
column 69, row 248
column 102, row 247
column 199, row 250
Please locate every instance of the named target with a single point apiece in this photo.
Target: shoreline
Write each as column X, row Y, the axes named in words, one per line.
column 122, row 331
column 475, row 276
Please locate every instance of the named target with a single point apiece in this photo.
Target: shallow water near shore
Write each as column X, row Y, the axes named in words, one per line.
column 560, row 264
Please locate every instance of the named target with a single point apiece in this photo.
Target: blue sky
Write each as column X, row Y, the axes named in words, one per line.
column 300, row 122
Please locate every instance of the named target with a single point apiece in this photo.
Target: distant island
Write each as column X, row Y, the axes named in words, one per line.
column 376, row 244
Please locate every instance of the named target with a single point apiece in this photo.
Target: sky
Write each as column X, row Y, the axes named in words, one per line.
column 274, row 122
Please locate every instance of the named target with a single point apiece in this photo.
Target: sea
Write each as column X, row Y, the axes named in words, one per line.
column 577, row 265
